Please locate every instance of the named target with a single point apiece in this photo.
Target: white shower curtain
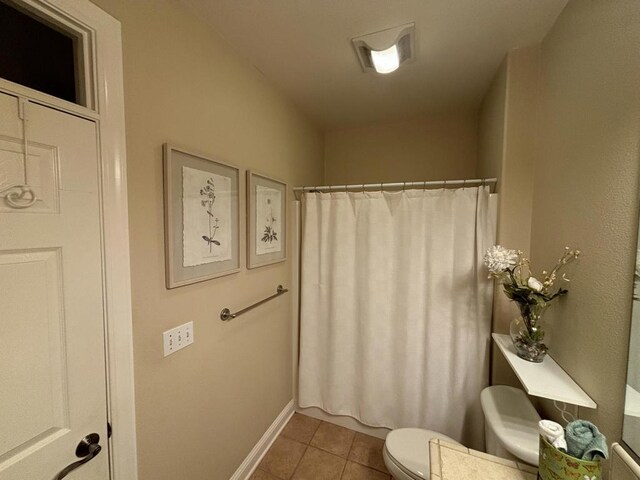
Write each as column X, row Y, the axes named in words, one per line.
column 396, row 307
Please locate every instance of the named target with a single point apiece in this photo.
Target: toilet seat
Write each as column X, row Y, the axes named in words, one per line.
column 406, row 452
column 397, row 471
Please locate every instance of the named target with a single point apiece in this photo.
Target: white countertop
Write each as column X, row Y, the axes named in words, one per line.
column 455, row 462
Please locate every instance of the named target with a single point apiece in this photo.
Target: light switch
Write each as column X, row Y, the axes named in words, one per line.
column 177, row 338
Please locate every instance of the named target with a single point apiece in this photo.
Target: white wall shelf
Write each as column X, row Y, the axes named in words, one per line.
column 546, row 379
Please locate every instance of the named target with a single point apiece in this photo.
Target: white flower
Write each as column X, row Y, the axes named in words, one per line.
column 535, row 284
column 498, row 259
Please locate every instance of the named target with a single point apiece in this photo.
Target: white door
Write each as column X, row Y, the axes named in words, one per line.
column 52, row 350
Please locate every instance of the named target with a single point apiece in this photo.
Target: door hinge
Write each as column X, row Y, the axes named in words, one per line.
column 109, row 430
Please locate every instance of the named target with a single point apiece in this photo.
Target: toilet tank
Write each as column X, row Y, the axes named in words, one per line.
column 511, row 424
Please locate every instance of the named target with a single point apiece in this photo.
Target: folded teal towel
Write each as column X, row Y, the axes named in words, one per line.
column 584, row 441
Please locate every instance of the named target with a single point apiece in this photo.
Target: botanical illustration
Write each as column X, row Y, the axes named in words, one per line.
column 209, row 194
column 270, row 234
column 206, row 205
column 268, row 211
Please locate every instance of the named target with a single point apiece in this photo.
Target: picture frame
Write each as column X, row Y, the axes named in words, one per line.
column 266, row 220
column 202, row 217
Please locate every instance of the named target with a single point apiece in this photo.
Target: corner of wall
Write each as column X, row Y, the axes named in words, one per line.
column 508, row 152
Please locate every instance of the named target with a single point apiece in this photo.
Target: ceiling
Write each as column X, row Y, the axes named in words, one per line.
column 304, row 48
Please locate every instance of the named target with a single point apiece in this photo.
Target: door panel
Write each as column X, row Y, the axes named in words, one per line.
column 52, row 365
column 41, row 173
column 35, row 367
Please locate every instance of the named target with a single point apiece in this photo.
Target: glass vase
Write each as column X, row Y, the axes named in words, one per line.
column 527, row 335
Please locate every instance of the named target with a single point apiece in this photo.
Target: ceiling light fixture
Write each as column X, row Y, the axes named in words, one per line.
column 386, row 61
column 384, row 51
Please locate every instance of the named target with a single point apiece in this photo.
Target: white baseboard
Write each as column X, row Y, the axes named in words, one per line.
column 248, row 466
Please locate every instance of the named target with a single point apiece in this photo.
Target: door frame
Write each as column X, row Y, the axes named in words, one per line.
column 103, row 91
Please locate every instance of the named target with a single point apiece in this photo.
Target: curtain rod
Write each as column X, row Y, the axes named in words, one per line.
column 399, row 185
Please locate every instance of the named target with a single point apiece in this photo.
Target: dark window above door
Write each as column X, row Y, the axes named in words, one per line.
column 38, row 55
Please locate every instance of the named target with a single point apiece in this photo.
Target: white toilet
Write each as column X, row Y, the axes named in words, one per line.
column 406, row 452
column 511, row 431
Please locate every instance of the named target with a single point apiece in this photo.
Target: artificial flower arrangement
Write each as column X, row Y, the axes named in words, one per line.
column 513, row 271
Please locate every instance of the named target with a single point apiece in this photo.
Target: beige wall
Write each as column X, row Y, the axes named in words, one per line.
column 201, row 410
column 432, row 148
column 491, row 126
column 586, row 191
column 569, row 176
column 519, row 148
column 568, row 172
column 491, row 158
column 507, row 151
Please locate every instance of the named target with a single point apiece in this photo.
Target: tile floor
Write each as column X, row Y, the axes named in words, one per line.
column 309, row 449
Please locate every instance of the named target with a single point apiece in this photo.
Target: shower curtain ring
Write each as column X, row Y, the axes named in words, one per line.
column 381, row 187
column 444, row 186
column 424, row 186
column 464, row 183
column 363, row 188
column 404, row 186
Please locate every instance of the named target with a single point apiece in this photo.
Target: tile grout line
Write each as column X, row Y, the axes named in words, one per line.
column 348, row 455
column 326, row 451
column 306, row 447
column 385, row 471
column 314, row 432
column 333, row 455
column 346, row 459
column 344, row 467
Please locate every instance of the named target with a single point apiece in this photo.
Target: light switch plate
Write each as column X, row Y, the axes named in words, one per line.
column 177, row 338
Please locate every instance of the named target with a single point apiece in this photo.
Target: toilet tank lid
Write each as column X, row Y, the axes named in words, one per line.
column 512, row 418
column 409, row 447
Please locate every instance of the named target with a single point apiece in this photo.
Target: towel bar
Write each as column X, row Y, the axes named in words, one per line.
column 226, row 315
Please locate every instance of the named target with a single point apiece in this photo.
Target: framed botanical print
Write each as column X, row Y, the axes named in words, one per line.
column 266, row 220
column 202, row 217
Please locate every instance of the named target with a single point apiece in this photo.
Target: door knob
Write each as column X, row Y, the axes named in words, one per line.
column 87, row 449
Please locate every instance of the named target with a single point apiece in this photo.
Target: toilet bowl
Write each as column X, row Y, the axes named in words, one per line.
column 406, row 452
column 511, row 431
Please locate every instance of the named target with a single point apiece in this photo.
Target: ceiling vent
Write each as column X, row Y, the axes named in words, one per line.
column 384, row 51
